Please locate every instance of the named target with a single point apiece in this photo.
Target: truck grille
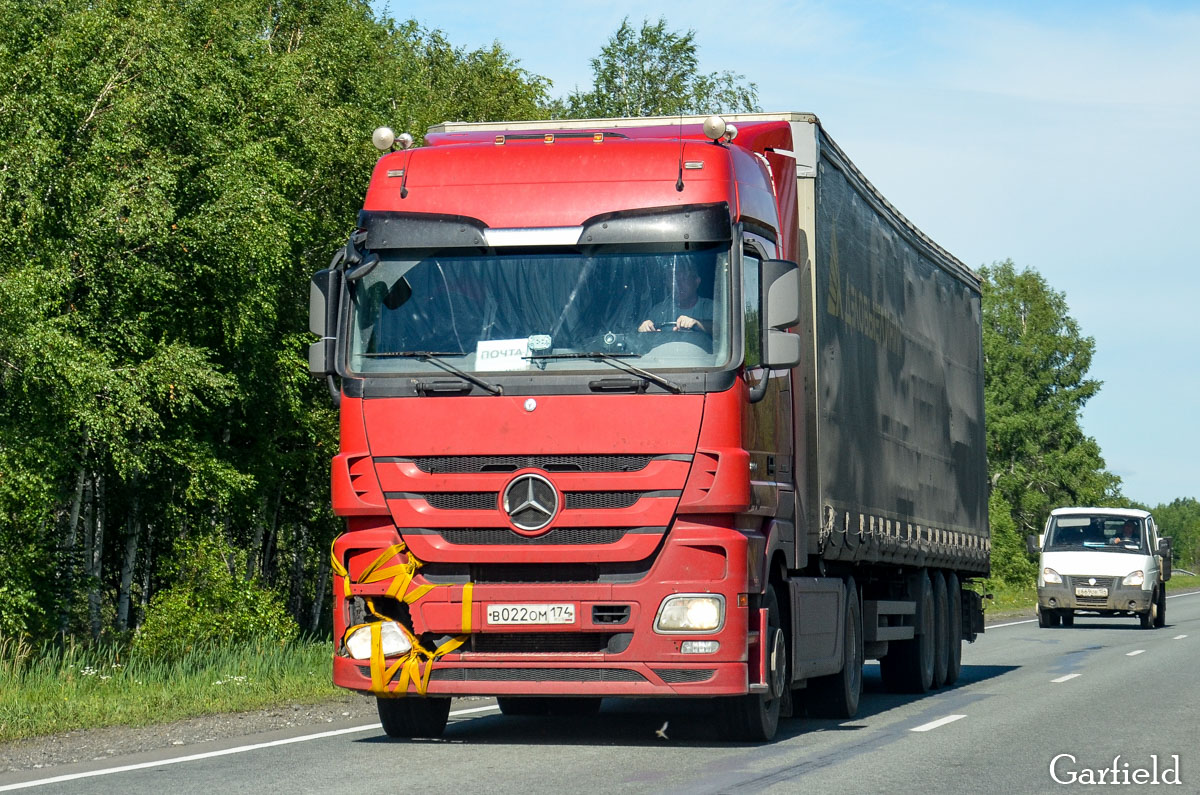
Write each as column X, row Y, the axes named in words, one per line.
column 446, row 464
column 535, row 675
column 490, row 500
column 540, row 642
column 681, row 676
column 566, row 536
column 1101, row 582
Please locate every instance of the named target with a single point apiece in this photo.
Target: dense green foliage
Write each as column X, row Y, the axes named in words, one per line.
column 170, row 176
column 1180, row 520
column 654, row 72
column 1036, row 362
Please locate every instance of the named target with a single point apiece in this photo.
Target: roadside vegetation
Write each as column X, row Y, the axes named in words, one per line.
column 170, row 178
column 61, row 688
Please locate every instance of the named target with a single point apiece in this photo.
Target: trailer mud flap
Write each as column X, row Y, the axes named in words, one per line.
column 972, row 615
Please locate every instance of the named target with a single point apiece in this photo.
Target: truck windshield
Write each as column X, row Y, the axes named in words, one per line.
column 1099, row 532
column 498, row 313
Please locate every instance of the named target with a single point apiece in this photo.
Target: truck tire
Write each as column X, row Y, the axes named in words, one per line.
column 954, row 591
column 413, row 716
column 837, row 695
column 540, row 705
column 754, row 717
column 908, row 665
column 941, row 631
column 1160, row 620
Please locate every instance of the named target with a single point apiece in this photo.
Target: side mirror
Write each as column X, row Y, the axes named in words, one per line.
column 1031, row 544
column 1164, row 550
column 323, row 293
column 781, row 310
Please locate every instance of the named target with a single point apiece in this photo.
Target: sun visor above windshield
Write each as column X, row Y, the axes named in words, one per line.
column 690, row 223
column 387, row 230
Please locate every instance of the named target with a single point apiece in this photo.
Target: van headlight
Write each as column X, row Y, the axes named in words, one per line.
column 1051, row 577
column 691, row 613
column 1134, row 578
column 392, row 640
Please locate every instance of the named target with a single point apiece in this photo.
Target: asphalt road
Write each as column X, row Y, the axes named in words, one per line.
column 1026, row 696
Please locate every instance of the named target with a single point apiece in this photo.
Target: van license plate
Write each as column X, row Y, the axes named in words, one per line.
column 531, row 614
column 1091, row 592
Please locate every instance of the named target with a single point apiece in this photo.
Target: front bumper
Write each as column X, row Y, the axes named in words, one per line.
column 1119, row 599
column 629, row 658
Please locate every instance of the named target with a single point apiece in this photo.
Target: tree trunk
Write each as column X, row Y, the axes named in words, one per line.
column 296, row 598
column 96, row 558
column 67, row 572
column 146, row 567
column 260, row 529
column 269, row 565
column 314, row 623
column 133, row 529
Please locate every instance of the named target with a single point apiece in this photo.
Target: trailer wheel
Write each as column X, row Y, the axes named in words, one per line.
column 941, row 631
column 837, row 695
column 954, row 591
column 908, row 665
column 540, row 705
column 413, row 716
column 755, row 717
column 1160, row 620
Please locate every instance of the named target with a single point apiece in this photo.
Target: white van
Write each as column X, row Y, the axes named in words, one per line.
column 1105, row 561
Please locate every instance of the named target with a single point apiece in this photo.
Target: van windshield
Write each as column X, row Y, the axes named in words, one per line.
column 1096, row 531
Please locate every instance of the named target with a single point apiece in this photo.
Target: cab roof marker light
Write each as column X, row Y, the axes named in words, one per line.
column 692, row 165
column 548, row 138
column 598, row 138
column 499, row 140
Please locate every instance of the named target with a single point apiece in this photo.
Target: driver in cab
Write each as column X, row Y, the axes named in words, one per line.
column 684, row 309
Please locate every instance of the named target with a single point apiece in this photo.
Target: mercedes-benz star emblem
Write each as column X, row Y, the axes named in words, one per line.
column 531, row 502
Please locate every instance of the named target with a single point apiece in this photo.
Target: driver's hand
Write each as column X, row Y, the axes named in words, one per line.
column 647, row 325
column 683, row 322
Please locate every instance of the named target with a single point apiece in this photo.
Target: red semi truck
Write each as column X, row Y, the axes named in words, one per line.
column 647, row 408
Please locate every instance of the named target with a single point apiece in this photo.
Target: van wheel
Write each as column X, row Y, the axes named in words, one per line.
column 837, row 695
column 754, row 717
column 1048, row 618
column 908, row 665
column 1149, row 619
column 1161, row 619
column 413, row 716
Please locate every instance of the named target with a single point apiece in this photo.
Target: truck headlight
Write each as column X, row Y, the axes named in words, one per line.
column 1051, row 577
column 691, row 613
column 392, row 640
column 1134, row 578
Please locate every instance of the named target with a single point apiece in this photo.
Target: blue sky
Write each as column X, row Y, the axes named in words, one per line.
column 1062, row 135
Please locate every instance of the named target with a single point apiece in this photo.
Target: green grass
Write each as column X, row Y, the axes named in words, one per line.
column 56, row 689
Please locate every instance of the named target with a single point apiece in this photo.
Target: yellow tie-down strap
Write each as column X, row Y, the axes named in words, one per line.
column 417, row 664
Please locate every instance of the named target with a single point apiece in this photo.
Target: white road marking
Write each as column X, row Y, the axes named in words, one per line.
column 936, row 723
column 1181, row 595
column 223, row 752
column 1012, row 624
column 1179, row 637
column 1135, row 652
column 1066, row 678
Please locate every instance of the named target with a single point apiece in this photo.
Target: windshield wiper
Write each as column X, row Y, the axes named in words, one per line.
column 435, row 358
column 616, row 360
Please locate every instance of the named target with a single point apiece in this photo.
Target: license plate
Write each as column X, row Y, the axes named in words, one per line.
column 531, row 614
column 1091, row 592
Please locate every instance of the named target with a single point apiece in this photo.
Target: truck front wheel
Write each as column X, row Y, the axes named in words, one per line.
column 755, row 717
column 1149, row 619
column 1160, row 620
column 413, row 716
